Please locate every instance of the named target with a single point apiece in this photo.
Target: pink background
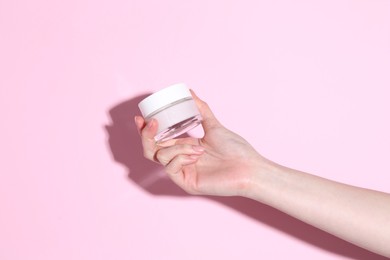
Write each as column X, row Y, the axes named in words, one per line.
column 306, row 82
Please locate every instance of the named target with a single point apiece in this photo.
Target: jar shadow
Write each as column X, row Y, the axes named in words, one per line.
column 126, row 149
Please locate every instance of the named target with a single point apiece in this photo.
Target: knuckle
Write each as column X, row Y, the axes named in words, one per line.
column 170, row 170
column 158, row 157
column 147, row 155
column 174, row 166
column 161, row 157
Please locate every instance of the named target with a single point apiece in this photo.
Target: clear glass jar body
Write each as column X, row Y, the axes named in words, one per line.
column 175, row 119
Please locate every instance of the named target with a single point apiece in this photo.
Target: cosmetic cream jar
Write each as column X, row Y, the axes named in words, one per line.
column 174, row 109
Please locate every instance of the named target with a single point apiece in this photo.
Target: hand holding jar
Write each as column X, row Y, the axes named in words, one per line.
column 217, row 164
column 222, row 163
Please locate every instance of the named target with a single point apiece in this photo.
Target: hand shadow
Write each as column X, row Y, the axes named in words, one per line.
column 125, row 145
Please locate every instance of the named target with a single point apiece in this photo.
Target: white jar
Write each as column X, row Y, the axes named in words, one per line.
column 174, row 109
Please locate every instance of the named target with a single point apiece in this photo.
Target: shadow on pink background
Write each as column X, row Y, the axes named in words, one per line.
column 125, row 145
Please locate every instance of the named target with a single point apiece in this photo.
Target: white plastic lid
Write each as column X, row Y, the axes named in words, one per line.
column 163, row 97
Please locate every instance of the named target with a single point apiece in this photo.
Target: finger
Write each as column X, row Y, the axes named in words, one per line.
column 139, row 123
column 209, row 120
column 147, row 136
column 166, row 155
column 177, row 164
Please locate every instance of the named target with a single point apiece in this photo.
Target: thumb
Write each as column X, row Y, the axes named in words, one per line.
column 209, row 120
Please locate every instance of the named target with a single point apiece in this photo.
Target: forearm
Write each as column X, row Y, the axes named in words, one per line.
column 358, row 215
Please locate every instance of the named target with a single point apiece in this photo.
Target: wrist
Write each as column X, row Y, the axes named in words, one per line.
column 260, row 179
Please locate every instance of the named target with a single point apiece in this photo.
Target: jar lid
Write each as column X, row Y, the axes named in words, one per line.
column 163, row 97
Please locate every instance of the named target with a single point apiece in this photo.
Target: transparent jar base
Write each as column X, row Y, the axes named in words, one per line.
column 178, row 129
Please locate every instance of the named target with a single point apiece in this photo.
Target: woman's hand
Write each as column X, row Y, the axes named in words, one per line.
column 223, row 163
column 220, row 163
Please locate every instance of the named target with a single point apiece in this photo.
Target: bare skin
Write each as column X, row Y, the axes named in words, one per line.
column 223, row 164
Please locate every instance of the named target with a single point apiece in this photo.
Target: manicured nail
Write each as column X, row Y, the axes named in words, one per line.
column 193, row 93
column 198, row 148
column 136, row 120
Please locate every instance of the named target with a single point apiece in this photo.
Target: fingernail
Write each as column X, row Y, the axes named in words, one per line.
column 193, row 92
column 198, row 148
